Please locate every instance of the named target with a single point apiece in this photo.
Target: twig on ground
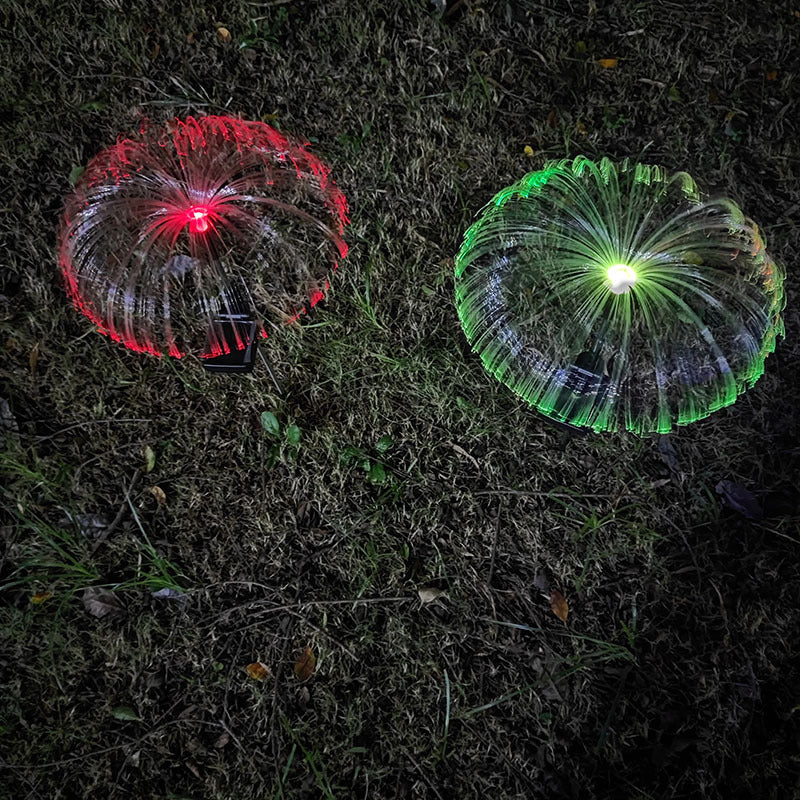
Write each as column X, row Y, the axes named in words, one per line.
column 128, row 744
column 273, row 714
column 307, row 604
column 83, row 424
column 116, row 521
column 559, row 495
column 324, row 633
column 424, row 777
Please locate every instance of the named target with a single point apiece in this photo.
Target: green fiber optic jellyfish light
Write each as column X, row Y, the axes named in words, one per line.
column 617, row 297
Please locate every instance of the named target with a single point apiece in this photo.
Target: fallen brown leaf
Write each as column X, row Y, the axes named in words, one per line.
column 305, row 665
column 552, row 119
column 40, row 597
column 101, row 602
column 223, row 34
column 608, row 63
column 559, row 605
column 258, row 671
column 159, row 495
column 528, row 151
column 772, row 74
column 428, row 594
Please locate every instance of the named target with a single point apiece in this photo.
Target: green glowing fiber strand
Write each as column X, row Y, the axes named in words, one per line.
column 615, row 296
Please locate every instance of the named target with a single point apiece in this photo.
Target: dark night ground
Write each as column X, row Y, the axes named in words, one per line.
column 423, row 119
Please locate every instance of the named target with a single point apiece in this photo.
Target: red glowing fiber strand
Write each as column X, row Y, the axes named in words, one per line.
column 200, row 218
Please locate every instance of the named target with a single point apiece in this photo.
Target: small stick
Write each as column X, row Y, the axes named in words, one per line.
column 422, row 773
column 116, row 521
column 271, row 375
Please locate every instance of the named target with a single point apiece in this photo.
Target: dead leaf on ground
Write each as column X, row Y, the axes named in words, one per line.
column 772, row 74
column 90, row 525
column 159, row 495
column 461, row 451
column 668, row 453
column 303, row 697
column 168, row 593
column 305, row 665
column 541, row 582
column 149, row 459
column 40, row 597
column 740, row 499
column 223, row 34
column 124, row 713
column 192, row 767
column 559, row 605
column 528, row 151
column 552, row 119
column 222, row 740
column 101, row 602
column 258, row 671
column 429, row 593
column 608, row 63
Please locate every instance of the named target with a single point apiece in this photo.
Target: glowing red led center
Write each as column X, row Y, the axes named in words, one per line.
column 197, row 216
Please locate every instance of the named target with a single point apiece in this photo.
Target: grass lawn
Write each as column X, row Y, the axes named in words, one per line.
column 360, row 606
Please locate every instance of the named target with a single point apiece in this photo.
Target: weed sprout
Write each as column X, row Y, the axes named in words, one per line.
column 615, row 297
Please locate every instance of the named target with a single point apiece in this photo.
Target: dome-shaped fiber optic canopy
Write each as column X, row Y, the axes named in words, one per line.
column 200, row 236
column 616, row 297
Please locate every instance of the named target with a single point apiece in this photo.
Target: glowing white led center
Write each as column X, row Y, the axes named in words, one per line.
column 621, row 277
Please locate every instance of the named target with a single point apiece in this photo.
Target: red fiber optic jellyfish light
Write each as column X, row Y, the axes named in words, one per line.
column 201, row 236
